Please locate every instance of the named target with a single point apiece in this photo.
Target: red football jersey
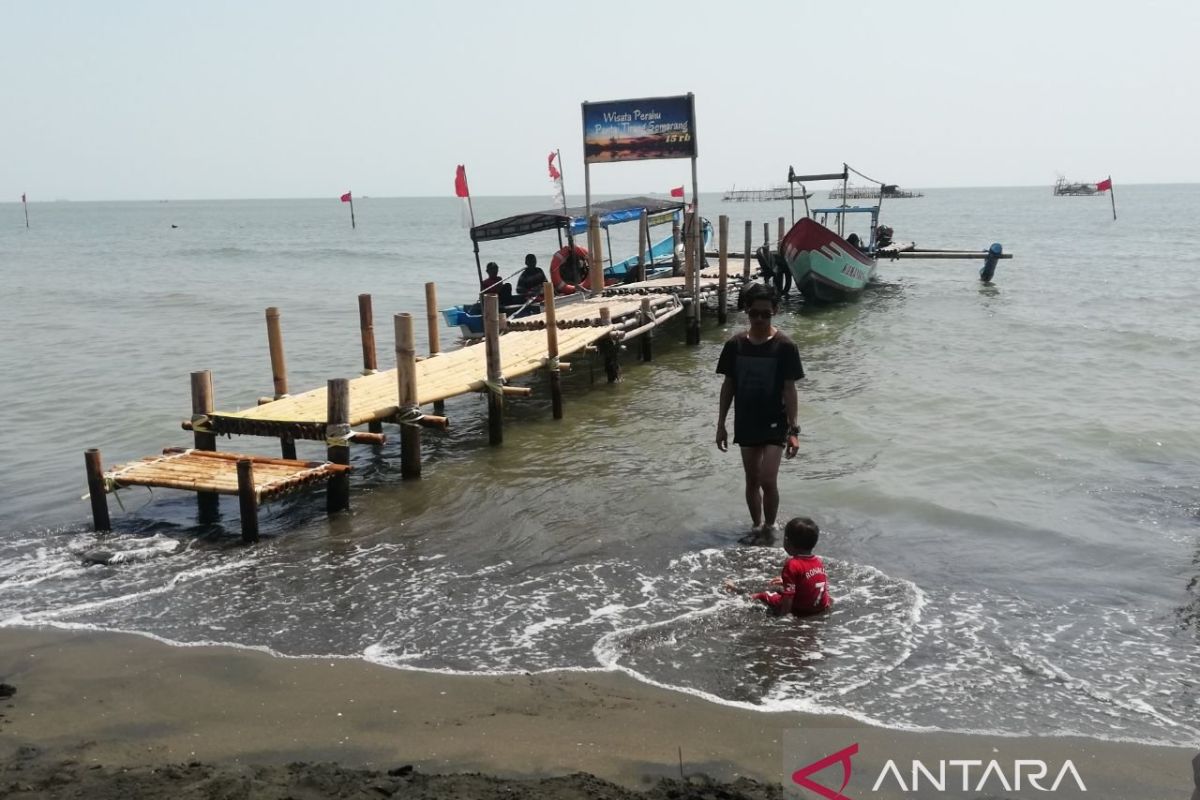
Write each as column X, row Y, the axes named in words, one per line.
column 804, row 579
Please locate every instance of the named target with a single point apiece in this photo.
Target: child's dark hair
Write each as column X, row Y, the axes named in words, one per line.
column 802, row 534
column 758, row 291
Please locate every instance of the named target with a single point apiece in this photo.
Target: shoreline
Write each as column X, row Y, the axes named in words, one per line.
column 125, row 700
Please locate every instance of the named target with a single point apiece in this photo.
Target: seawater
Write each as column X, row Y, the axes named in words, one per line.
column 1006, row 476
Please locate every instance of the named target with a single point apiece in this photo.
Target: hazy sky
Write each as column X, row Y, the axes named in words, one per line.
column 116, row 99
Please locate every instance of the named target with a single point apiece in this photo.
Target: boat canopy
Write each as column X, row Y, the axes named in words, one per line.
column 611, row 212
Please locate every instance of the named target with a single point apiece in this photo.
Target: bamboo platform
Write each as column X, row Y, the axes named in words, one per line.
column 510, row 349
column 209, row 471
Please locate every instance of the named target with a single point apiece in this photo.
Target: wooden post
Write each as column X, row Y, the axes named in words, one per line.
column 207, row 503
column 596, row 251
column 746, row 255
column 435, row 342
column 609, row 349
column 782, row 231
column 692, row 281
column 287, row 445
column 366, row 330
column 406, row 386
column 643, row 244
column 767, row 238
column 647, row 337
column 689, row 313
column 95, row 481
column 556, row 401
column 337, row 450
column 689, row 257
column 491, row 335
column 723, row 278
column 247, row 501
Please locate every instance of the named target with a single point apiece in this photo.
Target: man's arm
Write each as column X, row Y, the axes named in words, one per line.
column 723, row 412
column 791, row 405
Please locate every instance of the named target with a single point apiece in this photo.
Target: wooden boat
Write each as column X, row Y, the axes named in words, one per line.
column 825, row 267
column 570, row 223
column 1063, row 188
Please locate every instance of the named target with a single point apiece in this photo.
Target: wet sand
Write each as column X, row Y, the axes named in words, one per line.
column 95, row 712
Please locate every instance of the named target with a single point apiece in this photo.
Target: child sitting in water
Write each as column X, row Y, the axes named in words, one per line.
column 804, row 588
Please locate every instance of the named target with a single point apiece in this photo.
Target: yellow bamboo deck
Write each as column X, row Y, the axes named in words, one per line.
column 203, row 471
column 375, row 398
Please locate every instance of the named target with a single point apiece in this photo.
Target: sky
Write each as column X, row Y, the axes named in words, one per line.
column 127, row 100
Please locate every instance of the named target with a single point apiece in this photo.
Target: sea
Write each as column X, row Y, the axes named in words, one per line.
column 1006, row 475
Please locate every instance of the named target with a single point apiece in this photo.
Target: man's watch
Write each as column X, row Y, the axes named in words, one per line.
column 794, row 430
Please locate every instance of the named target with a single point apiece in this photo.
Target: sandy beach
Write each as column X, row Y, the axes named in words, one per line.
column 91, row 710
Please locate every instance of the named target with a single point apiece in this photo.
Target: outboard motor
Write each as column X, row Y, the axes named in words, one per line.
column 990, row 262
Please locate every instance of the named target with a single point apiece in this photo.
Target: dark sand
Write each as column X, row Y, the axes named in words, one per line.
column 109, row 716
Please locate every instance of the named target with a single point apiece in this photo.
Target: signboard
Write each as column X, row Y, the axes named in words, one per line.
column 637, row 130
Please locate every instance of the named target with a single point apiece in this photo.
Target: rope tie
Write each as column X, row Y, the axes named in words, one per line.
column 366, row 372
column 337, row 435
column 200, row 424
column 409, row 415
column 552, row 363
column 495, row 387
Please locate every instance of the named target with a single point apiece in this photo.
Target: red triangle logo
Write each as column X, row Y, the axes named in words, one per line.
column 800, row 776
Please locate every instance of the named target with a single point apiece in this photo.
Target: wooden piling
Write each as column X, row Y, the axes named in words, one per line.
column 647, row 338
column 366, row 330
column 767, row 239
column 609, row 349
column 287, row 445
column 207, row 503
column 96, row 493
column 692, row 280
column 746, row 255
column 782, row 231
column 406, row 385
column 556, row 400
column 247, row 502
column 491, row 334
column 689, row 319
column 723, row 276
column 435, row 341
column 643, row 244
column 596, row 253
column 337, row 428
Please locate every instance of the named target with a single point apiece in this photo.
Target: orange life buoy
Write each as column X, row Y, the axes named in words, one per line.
column 574, row 262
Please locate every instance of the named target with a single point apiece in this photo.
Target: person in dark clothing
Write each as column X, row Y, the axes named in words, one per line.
column 761, row 366
column 491, row 284
column 530, row 281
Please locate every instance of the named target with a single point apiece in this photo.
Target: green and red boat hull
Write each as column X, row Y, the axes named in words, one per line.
column 826, row 268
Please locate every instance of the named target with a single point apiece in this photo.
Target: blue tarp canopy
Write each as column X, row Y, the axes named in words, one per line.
column 574, row 220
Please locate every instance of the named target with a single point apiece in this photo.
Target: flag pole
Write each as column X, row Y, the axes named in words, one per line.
column 352, row 225
column 1112, row 195
column 25, row 205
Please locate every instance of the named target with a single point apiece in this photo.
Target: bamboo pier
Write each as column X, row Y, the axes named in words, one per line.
column 595, row 326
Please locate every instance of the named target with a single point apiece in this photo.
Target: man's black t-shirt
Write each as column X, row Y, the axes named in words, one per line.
column 759, row 372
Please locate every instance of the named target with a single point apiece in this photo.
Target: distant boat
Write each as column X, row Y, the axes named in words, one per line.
column 1062, row 188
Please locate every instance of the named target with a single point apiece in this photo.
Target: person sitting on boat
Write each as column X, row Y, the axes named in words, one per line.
column 854, row 240
column 491, row 284
column 529, row 284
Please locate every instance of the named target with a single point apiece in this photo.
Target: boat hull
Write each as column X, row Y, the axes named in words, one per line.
column 825, row 267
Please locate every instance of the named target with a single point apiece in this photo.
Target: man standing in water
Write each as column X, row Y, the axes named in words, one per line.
column 760, row 366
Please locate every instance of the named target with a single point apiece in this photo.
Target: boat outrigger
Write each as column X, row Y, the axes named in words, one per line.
column 570, row 267
column 830, row 265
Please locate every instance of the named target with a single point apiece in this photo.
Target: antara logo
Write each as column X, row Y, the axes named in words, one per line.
column 1023, row 772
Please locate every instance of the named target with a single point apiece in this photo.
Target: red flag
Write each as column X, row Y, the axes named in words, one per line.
column 346, row 197
column 677, row 191
column 1104, row 185
column 460, row 182
column 554, row 173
